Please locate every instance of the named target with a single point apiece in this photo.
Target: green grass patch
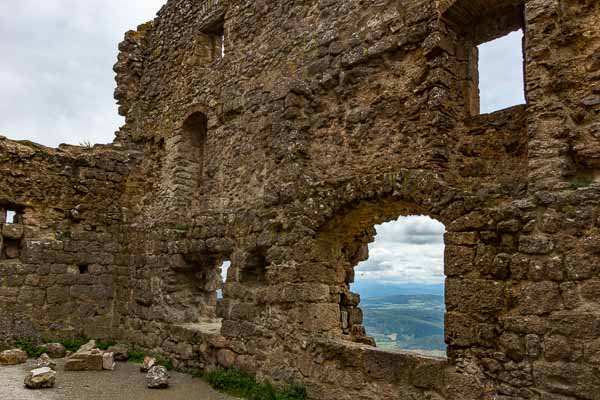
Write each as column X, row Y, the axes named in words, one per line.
column 240, row 384
column 32, row 350
column 104, row 344
column 74, row 344
column 136, row 356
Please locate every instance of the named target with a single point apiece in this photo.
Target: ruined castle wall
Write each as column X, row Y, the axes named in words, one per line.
column 63, row 261
column 321, row 120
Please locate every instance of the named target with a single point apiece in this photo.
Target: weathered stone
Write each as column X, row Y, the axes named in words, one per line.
column 157, row 377
column 13, row 357
column 226, row 358
column 148, row 363
column 40, row 378
column 92, row 360
column 120, row 352
column 45, row 361
column 12, row 231
column 108, row 361
column 55, row 350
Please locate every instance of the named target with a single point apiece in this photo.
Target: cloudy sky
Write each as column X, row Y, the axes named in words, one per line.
column 57, row 85
column 409, row 250
column 56, row 76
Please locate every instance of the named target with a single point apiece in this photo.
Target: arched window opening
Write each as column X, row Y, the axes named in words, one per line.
column 194, row 131
column 401, row 287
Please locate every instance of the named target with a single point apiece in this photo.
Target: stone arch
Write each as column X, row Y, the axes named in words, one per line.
column 475, row 297
column 186, row 150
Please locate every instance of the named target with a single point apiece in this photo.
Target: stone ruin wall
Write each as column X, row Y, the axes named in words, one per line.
column 323, row 119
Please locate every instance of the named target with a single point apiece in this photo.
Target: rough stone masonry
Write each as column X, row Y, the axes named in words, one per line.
column 275, row 134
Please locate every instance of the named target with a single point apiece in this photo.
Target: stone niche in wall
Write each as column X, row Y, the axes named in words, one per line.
column 12, row 231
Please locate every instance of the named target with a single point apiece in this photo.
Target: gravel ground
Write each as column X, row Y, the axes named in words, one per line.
column 125, row 382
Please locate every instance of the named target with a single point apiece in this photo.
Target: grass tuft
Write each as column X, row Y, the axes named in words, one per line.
column 32, row 350
column 104, row 344
column 240, row 384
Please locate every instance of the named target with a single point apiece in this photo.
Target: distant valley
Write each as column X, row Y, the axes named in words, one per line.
column 412, row 319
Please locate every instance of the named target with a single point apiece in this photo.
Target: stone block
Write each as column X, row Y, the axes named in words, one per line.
column 535, row 244
column 458, row 260
column 13, row 357
column 539, row 298
column 226, row 358
column 86, row 360
column 108, row 361
column 475, row 295
column 13, row 231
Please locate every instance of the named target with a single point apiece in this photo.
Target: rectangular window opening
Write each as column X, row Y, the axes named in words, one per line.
column 217, row 36
column 501, row 73
column 11, row 217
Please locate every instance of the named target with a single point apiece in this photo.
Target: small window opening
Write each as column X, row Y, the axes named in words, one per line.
column 501, row 78
column 83, row 268
column 224, row 270
column 11, row 217
column 195, row 129
column 255, row 270
column 401, row 287
column 217, row 36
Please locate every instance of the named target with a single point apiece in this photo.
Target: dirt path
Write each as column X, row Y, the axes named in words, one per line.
column 125, row 382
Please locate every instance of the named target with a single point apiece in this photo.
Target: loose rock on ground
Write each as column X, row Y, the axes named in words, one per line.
column 40, row 378
column 157, row 377
column 13, row 357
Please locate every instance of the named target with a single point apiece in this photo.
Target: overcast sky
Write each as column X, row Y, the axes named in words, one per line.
column 409, row 250
column 57, row 86
column 56, row 76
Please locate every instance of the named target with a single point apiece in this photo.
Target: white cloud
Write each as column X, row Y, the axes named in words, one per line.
column 501, row 80
column 56, row 74
column 409, row 250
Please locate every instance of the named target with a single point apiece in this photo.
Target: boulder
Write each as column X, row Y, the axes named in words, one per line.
column 45, row 361
column 13, row 357
column 108, row 361
column 120, row 352
column 92, row 360
column 40, row 378
column 149, row 362
column 55, row 350
column 157, row 377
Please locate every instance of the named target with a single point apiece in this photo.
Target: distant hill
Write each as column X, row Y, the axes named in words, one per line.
column 406, row 321
column 368, row 289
